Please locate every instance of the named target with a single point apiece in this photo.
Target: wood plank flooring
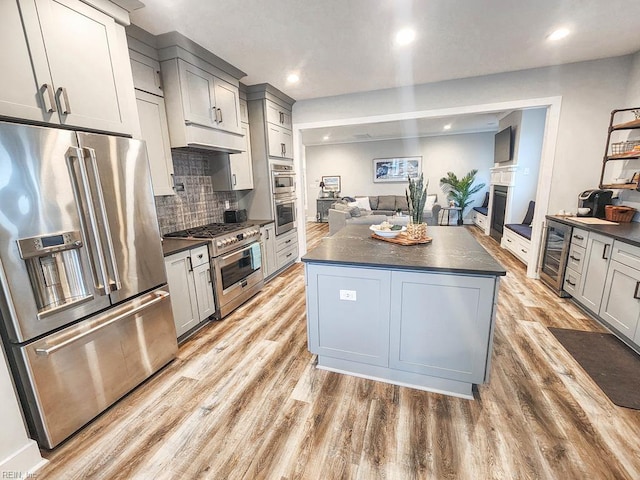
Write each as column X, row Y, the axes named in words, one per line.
column 244, row 401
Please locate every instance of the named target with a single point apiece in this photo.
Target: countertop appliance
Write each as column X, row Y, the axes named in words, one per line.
column 554, row 255
column 235, row 216
column 236, row 261
column 595, row 200
column 86, row 314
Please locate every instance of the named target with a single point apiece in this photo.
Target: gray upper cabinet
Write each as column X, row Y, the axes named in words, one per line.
column 280, row 141
column 57, row 79
column 278, row 115
column 146, row 73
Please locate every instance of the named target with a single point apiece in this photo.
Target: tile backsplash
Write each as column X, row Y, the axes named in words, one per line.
column 197, row 204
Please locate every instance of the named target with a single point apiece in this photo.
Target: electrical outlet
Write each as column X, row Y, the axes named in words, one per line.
column 348, row 295
column 226, row 204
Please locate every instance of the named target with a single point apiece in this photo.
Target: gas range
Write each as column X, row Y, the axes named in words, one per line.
column 225, row 237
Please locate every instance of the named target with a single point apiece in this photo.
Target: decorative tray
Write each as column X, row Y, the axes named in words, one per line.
column 402, row 239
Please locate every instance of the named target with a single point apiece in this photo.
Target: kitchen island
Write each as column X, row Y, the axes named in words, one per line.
column 420, row 316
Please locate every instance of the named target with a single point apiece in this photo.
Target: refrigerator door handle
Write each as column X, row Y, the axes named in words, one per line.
column 114, row 281
column 88, row 221
column 158, row 297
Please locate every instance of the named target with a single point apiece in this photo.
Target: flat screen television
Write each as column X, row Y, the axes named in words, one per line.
column 503, row 146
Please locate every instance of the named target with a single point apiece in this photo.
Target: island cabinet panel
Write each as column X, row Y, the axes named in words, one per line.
column 348, row 313
column 439, row 324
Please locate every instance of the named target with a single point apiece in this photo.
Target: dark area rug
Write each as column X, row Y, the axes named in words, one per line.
column 608, row 361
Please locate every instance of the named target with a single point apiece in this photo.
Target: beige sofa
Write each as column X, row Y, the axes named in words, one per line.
column 341, row 214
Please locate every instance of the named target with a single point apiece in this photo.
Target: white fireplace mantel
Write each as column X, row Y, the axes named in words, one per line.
column 505, row 176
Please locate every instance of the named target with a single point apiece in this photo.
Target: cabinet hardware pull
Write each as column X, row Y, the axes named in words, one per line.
column 283, row 149
column 218, row 111
column 62, row 95
column 573, row 284
column 51, row 107
column 578, row 237
column 604, row 252
column 523, row 250
column 215, row 114
column 159, row 79
column 288, row 241
column 289, row 255
column 635, row 293
column 201, row 255
column 234, row 179
column 190, row 269
column 281, row 117
column 575, row 259
column 210, row 276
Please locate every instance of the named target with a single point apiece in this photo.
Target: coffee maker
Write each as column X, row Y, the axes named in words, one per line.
column 595, row 200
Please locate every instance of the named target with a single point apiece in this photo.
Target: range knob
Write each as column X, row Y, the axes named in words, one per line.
column 219, row 243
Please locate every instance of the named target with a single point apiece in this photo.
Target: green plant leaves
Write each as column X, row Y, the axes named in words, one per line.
column 416, row 197
column 460, row 189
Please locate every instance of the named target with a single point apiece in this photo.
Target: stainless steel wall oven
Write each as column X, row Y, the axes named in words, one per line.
column 283, row 179
column 284, row 207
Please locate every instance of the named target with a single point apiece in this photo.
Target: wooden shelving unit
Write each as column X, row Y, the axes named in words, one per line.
column 630, row 155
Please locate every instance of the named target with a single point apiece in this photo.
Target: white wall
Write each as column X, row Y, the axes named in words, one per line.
column 589, row 91
column 441, row 154
column 18, row 454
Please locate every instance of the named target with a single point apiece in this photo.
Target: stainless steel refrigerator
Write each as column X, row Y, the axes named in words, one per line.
column 84, row 303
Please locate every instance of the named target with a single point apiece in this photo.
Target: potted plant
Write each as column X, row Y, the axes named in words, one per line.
column 416, row 198
column 460, row 190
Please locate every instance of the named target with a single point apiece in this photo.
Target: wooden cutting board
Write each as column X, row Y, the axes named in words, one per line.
column 402, row 239
column 592, row 221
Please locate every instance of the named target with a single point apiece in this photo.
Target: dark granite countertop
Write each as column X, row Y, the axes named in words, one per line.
column 626, row 232
column 175, row 245
column 453, row 250
column 261, row 223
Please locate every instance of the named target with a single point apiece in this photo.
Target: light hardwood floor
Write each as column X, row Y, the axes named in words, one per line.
column 244, row 401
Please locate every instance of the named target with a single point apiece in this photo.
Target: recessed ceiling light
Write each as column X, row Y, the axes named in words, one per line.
column 447, row 126
column 558, row 34
column 326, row 137
column 293, row 78
column 405, row 36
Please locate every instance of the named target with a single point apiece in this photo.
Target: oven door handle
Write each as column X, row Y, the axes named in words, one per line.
column 286, row 174
column 281, row 201
column 236, row 252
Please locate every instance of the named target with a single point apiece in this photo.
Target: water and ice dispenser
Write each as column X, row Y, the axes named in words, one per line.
column 55, row 269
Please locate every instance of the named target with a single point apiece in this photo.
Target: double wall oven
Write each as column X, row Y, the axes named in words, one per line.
column 283, row 188
column 235, row 261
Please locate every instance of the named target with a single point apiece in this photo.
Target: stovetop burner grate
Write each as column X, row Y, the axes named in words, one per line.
column 206, row 231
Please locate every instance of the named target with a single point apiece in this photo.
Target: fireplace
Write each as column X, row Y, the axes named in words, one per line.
column 498, row 211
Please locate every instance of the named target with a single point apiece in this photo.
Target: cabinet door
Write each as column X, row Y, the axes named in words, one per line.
column 183, row 291
column 26, row 91
column 241, row 165
column 594, row 271
column 278, row 115
column 348, row 313
column 621, row 301
column 269, row 249
column 146, row 73
column 155, row 132
column 441, row 324
column 227, row 104
column 204, row 291
column 88, row 62
column 280, row 142
column 197, row 88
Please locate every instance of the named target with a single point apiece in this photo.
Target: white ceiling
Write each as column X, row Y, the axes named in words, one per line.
column 345, row 46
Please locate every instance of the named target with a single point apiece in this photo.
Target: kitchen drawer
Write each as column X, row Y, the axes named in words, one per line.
column 199, row 256
column 571, row 282
column 579, row 237
column 480, row 220
column 626, row 254
column 286, row 240
column 576, row 258
column 288, row 255
column 516, row 244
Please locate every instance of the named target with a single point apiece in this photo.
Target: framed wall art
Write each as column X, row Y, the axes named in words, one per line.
column 331, row 183
column 398, row 169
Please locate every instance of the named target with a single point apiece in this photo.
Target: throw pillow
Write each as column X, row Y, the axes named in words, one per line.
column 341, row 207
column 485, row 202
column 528, row 218
column 355, row 212
column 401, row 203
column 363, row 203
column 373, row 201
column 387, row 202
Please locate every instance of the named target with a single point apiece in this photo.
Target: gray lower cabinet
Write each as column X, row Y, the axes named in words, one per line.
column 621, row 299
column 426, row 330
column 189, row 279
column 349, row 313
column 268, row 236
column 594, row 271
column 439, row 324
